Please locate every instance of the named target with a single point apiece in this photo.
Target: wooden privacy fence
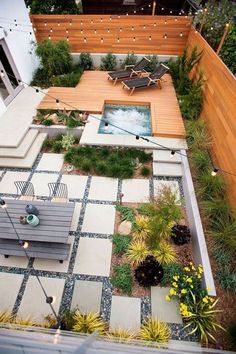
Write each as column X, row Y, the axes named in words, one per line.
column 165, row 35
column 219, row 109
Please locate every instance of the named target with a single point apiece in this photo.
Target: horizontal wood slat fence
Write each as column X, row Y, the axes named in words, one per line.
column 219, row 108
column 165, row 35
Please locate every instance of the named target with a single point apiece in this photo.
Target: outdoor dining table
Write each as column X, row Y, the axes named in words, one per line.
column 54, row 225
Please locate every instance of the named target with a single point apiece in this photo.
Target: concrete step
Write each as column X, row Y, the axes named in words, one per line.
column 165, row 156
column 23, row 148
column 28, row 160
column 167, row 169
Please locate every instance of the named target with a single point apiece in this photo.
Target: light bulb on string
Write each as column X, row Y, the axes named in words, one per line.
column 45, row 23
column 172, row 153
column 35, row 29
column 150, row 38
column 110, row 18
column 101, row 19
column 106, row 125
column 51, row 30
column 165, row 36
column 176, row 19
column 144, row 27
column 118, row 40
column 214, row 172
column 57, row 102
column 142, row 8
column 95, row 31
column 171, row 11
column 127, row 14
column 67, row 38
column 51, row 300
column 70, row 22
column 137, row 137
column 133, row 39
column 2, row 74
column 165, row 22
column 85, row 40
column 67, row 30
column 49, row 37
column 101, row 40
column 162, row 8
column 132, row 28
column 155, row 24
column 23, row 244
column 91, row 21
column 108, row 30
column 81, row 31
column 134, row 11
column 37, row 91
column 58, row 24
column 149, row 5
column 81, row 22
column 181, row 34
column 120, row 29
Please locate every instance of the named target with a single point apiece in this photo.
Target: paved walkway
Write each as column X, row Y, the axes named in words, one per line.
column 15, row 122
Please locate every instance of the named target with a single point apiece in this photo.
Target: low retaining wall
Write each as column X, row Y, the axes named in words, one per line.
column 54, row 130
column 96, row 58
column 200, row 252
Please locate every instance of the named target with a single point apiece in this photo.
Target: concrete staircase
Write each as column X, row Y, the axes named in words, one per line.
column 23, row 155
column 165, row 164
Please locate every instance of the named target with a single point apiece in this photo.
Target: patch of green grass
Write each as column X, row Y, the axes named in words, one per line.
column 117, row 163
column 120, row 243
column 122, row 278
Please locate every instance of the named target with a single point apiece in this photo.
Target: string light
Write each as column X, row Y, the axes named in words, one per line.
column 49, row 37
column 57, row 102
column 181, row 34
column 58, row 24
column 137, row 137
column 172, row 153
column 171, row 11
column 165, row 36
column 23, row 244
column 101, row 19
column 150, row 38
column 37, row 91
column 67, row 30
column 120, row 29
column 81, row 31
column 132, row 28
column 51, row 30
column 110, row 18
column 95, row 31
column 67, row 38
column 108, row 30
column 155, row 24
column 45, row 23
column 51, row 300
column 214, row 172
column 91, row 21
column 70, row 22
column 35, row 29
column 165, row 22
column 81, row 22
column 2, row 74
column 101, row 40
column 106, row 125
column 144, row 27
column 85, row 40
column 134, row 39
column 162, row 8
column 118, row 40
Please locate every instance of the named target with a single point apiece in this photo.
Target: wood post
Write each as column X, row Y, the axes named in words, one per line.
column 223, row 38
column 153, row 8
column 203, row 20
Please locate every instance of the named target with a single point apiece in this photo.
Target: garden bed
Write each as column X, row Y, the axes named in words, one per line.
column 68, row 118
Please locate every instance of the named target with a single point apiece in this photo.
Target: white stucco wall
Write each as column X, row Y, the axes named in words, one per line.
column 19, row 43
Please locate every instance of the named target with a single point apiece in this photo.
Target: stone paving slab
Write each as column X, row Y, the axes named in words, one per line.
column 50, row 162
column 159, row 184
column 93, row 256
column 52, row 265
column 40, row 182
column 33, row 303
column 75, row 217
column 87, row 296
column 10, row 286
column 7, row 182
column 135, row 190
column 14, row 261
column 165, row 156
column 125, row 313
column 75, row 185
column 99, row 219
column 167, row 169
column 167, row 311
column 103, row 188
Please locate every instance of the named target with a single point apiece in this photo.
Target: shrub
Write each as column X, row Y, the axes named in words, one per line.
column 69, row 155
column 227, row 279
column 141, row 228
column 122, row 278
column 149, row 272
column 68, row 80
column 47, row 122
column 88, row 323
column 165, row 253
column 41, row 78
column 215, row 208
column 86, row 61
column 67, row 141
column 180, row 234
column 54, row 7
column 87, row 165
column 101, row 168
column 57, row 146
column 210, row 187
column 152, row 64
column 198, row 137
column 108, row 62
column 145, row 171
column 130, row 59
column 55, row 58
column 120, row 243
column 228, row 51
column 171, row 270
column 73, row 123
column 200, row 315
column 224, row 232
column 47, row 144
column 136, row 252
column 155, row 330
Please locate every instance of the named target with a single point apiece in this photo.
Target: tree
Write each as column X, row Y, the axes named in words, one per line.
column 54, row 7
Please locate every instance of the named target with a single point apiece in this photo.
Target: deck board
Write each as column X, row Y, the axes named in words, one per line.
column 94, row 89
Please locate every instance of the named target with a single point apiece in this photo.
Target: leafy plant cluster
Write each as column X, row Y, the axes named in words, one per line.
column 56, row 66
column 196, row 306
column 105, row 161
column 70, row 119
column 188, row 90
column 218, row 14
column 53, row 7
column 228, row 51
column 60, row 142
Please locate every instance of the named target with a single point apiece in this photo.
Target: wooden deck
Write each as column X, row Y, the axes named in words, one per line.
column 94, row 89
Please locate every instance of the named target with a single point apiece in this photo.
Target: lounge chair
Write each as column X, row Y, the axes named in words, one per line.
column 130, row 70
column 152, row 79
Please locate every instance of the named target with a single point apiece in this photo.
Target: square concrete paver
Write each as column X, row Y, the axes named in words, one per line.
column 75, row 185
column 125, row 313
column 7, row 182
column 52, row 265
column 135, row 190
column 99, row 219
column 50, row 162
column 40, row 182
column 10, row 286
column 159, row 184
column 167, row 311
column 14, row 261
column 93, row 256
column 34, row 304
column 103, row 188
column 75, row 217
column 87, row 296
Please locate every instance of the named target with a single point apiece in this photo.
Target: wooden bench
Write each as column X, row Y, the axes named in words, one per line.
column 58, row 251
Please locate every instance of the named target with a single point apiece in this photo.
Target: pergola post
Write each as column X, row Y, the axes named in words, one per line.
column 223, row 38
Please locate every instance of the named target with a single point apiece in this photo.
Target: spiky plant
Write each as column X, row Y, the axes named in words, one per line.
column 137, row 252
column 149, row 272
column 5, row 316
column 198, row 137
column 200, row 315
column 122, row 335
column 141, row 228
column 224, row 231
column 165, row 254
column 27, row 321
column 88, row 323
column 154, row 330
column 210, row 187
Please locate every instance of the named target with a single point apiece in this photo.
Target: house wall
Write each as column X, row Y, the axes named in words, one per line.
column 19, row 43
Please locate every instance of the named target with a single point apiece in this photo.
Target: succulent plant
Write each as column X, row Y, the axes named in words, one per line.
column 149, row 272
column 180, row 234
